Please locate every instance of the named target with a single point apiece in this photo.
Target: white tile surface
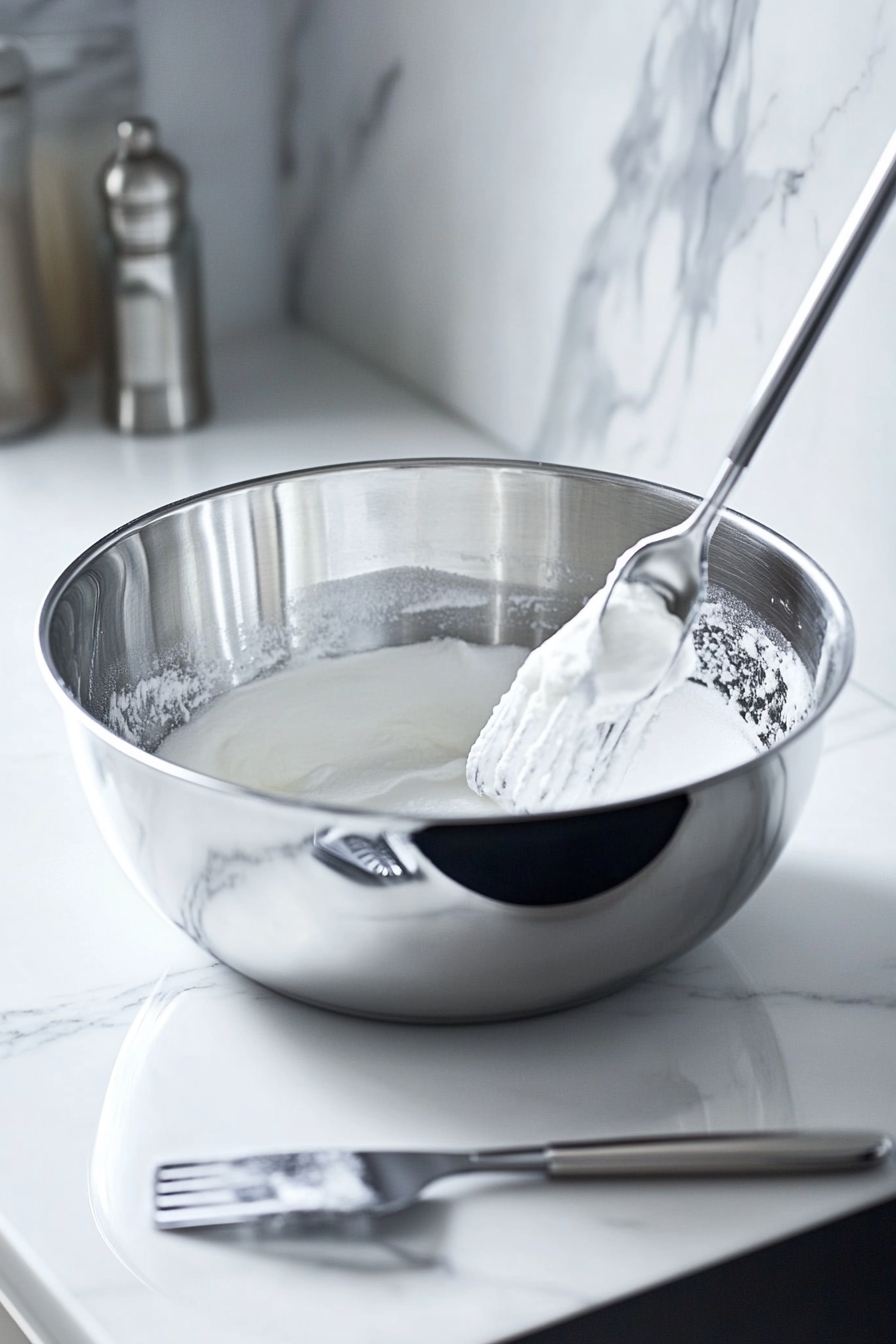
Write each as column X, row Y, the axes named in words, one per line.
column 120, row 1043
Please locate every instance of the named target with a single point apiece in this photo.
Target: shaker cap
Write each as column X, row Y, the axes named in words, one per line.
column 13, row 69
column 143, row 190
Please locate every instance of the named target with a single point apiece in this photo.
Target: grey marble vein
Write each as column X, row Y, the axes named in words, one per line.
column 694, row 175
column 791, row 181
column 696, row 983
column 860, row 85
column 297, row 21
column 317, row 174
column 885, row 999
column 24, row 1029
column 680, row 161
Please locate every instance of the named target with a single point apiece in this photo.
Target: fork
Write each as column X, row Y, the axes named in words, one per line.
column 332, row 1184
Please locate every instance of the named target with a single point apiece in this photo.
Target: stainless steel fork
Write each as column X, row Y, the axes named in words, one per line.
column 331, row 1184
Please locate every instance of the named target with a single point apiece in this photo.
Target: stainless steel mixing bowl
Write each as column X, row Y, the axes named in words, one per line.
column 382, row 914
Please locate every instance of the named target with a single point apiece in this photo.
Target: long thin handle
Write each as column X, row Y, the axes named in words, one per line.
column 799, row 340
column 754, row 1153
column 766, row 1153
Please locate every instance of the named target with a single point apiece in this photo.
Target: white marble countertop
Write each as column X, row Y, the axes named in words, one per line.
column 121, row 1042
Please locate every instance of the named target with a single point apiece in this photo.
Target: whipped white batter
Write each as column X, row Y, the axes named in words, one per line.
column 624, row 643
column 390, row 730
column 565, row 732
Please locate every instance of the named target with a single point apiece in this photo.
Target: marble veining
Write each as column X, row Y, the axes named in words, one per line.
column 684, row 199
column 793, row 178
column 885, row 999
column 681, row 178
column 317, row 170
column 25, row 1029
column 587, row 235
column 694, row 166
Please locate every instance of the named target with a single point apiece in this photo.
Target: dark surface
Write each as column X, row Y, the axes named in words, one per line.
column 833, row 1285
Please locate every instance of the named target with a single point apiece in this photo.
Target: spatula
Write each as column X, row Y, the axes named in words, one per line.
column 555, row 734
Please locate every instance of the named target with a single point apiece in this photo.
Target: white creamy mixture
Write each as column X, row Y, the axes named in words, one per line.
column 390, row 730
column 638, row 639
column 566, row 729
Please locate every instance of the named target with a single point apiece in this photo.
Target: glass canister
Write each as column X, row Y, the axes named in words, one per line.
column 30, row 388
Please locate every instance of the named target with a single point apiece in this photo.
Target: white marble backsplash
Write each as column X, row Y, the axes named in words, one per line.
column 586, row 227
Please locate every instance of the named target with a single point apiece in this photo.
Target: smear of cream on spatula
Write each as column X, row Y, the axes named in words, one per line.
column 565, row 731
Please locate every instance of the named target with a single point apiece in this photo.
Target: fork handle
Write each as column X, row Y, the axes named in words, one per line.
column 759, row 1153
column 764, row 1153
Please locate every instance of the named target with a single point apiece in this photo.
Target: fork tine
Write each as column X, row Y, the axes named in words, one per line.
column 195, row 1193
column 187, row 1198
column 199, row 1176
column 216, row 1215
column 174, row 1187
column 178, row 1170
column 308, row 1185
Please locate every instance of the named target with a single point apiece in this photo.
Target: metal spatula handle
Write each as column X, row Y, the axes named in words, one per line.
column 799, row 340
column 550, row 742
column 767, row 1152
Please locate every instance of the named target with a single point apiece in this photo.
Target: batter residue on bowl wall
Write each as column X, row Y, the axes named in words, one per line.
column 390, row 729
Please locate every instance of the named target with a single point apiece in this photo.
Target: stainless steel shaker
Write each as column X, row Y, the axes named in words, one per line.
column 30, row 389
column 153, row 349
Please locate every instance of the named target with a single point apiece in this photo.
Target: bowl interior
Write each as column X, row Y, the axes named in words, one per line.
column 188, row 602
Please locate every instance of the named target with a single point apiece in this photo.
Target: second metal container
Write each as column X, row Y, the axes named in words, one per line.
column 154, row 361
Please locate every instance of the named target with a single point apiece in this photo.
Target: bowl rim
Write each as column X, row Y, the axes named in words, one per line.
column 383, row 819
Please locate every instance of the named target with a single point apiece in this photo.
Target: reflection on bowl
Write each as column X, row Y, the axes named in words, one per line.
column 383, row 914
